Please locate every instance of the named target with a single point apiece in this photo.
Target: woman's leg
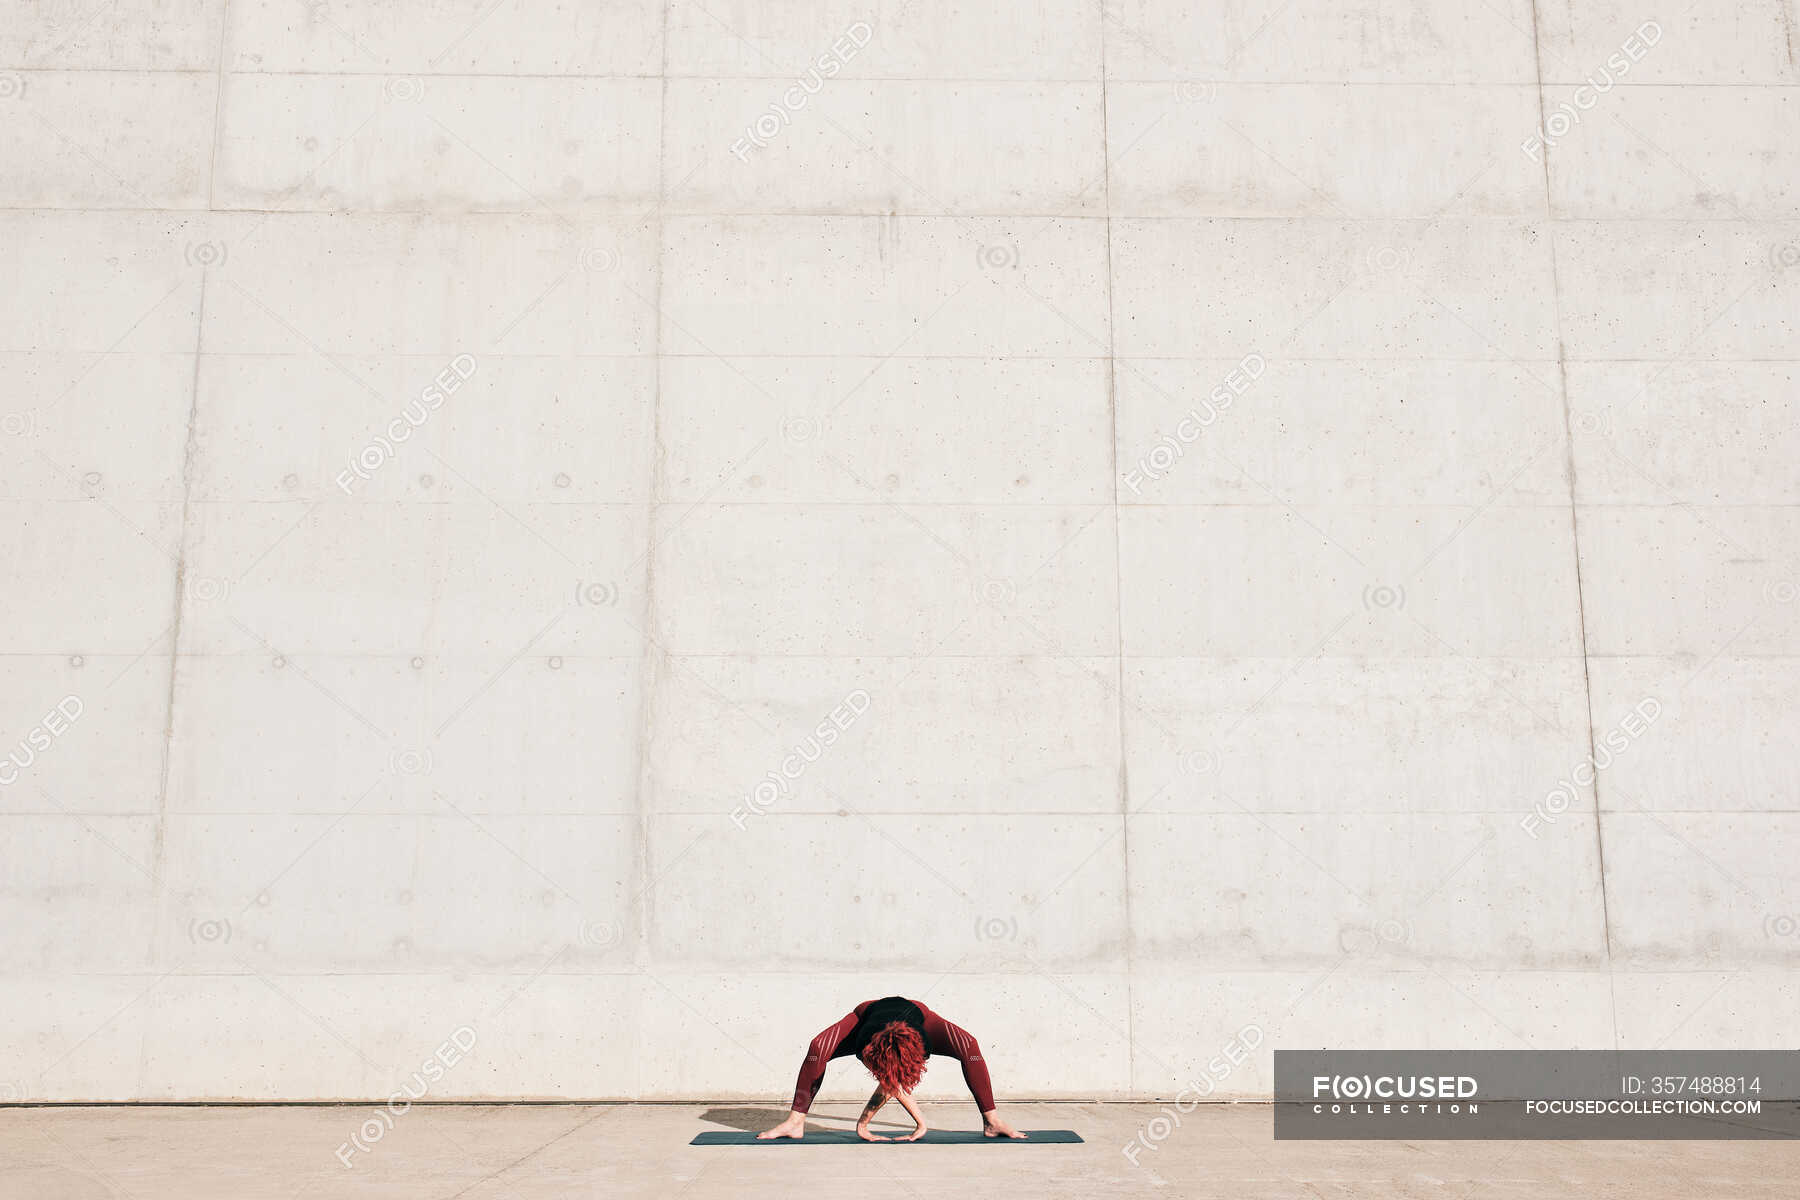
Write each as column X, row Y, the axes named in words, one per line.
column 827, row 1045
column 941, row 1037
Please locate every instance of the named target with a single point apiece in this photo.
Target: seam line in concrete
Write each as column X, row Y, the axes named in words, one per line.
column 1587, row 685
column 1440, row 84
column 218, row 130
column 1112, row 412
column 159, row 832
column 651, row 671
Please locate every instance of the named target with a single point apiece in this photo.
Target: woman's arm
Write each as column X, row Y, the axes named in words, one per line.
column 868, row 1114
column 906, row 1102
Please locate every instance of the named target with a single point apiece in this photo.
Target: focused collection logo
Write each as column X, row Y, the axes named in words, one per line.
column 1394, row 1095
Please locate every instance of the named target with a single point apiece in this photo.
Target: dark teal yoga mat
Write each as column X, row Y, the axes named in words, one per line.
column 846, row 1137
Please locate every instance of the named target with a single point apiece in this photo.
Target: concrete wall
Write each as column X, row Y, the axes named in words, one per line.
column 1156, row 719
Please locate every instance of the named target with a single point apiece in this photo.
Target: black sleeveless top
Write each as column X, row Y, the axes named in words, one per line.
column 879, row 1015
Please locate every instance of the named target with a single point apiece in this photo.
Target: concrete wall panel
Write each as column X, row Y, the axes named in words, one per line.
column 1694, row 47
column 107, row 757
column 1326, row 289
column 1666, row 290
column 518, row 429
column 1716, row 744
column 480, row 144
column 1329, row 432
column 1059, row 39
column 1670, row 580
column 163, row 35
column 1685, row 432
column 878, row 286
column 473, row 36
column 413, row 285
column 933, row 580
column 1305, row 890
column 1408, row 582
column 887, row 147
column 1697, row 166
column 118, row 140
column 1351, row 735
column 1730, row 875
column 906, row 430
column 1316, row 41
column 933, row 735
column 898, row 893
column 1321, row 150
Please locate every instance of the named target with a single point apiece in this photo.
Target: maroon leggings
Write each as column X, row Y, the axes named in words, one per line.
column 941, row 1037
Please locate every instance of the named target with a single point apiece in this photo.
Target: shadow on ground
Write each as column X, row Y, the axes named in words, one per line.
column 752, row 1120
column 755, row 1120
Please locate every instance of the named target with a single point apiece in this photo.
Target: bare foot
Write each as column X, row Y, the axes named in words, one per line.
column 793, row 1127
column 993, row 1126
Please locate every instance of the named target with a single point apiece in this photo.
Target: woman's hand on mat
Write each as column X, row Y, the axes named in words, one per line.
column 862, row 1131
column 912, row 1110
column 993, row 1126
column 793, row 1127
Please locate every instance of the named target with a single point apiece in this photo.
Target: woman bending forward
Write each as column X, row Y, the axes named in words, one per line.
column 892, row 1037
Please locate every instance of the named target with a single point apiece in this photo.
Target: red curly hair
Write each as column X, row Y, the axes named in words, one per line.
column 896, row 1057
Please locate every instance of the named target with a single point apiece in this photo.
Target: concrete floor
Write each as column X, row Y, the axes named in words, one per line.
column 482, row 1152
